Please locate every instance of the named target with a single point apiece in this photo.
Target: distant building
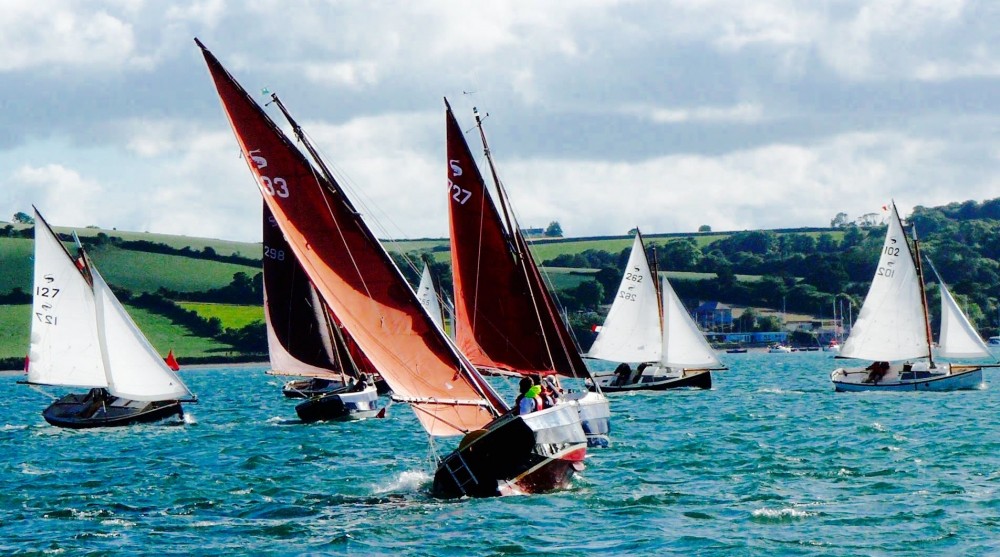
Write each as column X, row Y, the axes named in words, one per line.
column 713, row 314
column 532, row 232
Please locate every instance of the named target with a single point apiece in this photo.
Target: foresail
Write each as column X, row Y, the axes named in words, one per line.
column 631, row 331
column 958, row 338
column 355, row 277
column 684, row 345
column 299, row 339
column 429, row 298
column 64, row 347
column 891, row 325
column 135, row 370
column 503, row 313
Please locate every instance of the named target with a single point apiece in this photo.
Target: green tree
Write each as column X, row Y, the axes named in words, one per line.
column 704, row 228
column 23, row 218
column 554, row 230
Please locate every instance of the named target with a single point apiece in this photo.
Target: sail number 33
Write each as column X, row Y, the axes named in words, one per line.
column 272, row 186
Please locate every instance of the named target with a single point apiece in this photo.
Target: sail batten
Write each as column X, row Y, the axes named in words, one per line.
column 352, row 273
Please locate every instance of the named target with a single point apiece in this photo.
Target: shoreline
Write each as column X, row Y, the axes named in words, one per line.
column 191, row 367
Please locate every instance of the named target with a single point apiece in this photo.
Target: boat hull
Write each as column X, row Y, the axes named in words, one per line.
column 853, row 381
column 595, row 416
column 340, row 406
column 316, row 386
column 695, row 379
column 535, row 453
column 85, row 411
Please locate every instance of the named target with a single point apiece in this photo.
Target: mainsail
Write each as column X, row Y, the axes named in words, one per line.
column 505, row 317
column 892, row 324
column 81, row 336
column 354, row 275
column 631, row 331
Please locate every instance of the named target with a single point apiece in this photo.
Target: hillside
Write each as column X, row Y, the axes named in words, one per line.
column 201, row 297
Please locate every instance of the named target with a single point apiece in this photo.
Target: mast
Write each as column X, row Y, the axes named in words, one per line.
column 655, row 272
column 923, row 295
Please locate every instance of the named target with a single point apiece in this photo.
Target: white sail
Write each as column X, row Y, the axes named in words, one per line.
column 135, row 370
column 631, row 331
column 891, row 325
column 684, row 345
column 428, row 297
column 958, row 338
column 64, row 346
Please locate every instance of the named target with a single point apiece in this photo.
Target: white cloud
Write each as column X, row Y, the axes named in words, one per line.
column 62, row 195
column 743, row 113
column 43, row 33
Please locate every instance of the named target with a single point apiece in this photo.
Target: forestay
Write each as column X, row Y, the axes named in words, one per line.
column 891, row 325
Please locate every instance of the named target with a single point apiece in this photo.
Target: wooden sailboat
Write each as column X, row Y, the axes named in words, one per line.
column 428, row 297
column 647, row 324
column 894, row 329
column 499, row 453
column 304, row 340
column 81, row 336
column 506, row 320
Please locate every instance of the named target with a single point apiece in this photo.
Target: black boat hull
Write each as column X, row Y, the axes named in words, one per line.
column 309, row 388
column 702, row 380
column 510, row 457
column 85, row 411
column 339, row 406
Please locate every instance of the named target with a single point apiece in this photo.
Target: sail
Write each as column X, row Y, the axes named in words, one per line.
column 299, row 339
column 631, row 331
column 891, row 325
column 429, row 298
column 64, row 346
column 354, row 275
column 684, row 345
column 135, row 370
column 958, row 338
column 505, row 317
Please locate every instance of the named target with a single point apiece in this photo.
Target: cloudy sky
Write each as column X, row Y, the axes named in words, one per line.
column 604, row 115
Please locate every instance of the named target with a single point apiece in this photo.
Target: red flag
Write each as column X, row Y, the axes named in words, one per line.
column 596, row 328
column 172, row 361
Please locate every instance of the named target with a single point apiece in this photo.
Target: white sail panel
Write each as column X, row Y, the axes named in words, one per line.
column 684, row 345
column 958, row 338
column 64, row 346
column 284, row 363
column 631, row 331
column 428, row 297
column 891, row 325
column 135, row 370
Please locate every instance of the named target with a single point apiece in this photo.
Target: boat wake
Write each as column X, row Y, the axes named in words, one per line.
column 190, row 419
column 408, row 480
column 779, row 515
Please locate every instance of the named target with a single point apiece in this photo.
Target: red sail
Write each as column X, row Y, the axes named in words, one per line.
column 505, row 317
column 354, row 275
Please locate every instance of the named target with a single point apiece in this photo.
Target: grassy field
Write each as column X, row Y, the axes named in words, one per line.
column 15, row 331
column 231, row 315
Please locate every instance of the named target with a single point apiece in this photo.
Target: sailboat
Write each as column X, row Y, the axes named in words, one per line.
column 500, row 453
column 893, row 328
column 506, row 321
column 81, row 336
column 304, row 340
column 647, row 324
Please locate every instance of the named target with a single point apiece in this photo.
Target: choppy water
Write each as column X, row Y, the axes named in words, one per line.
column 771, row 461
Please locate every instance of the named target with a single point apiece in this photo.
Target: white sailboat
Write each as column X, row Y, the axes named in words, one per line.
column 893, row 329
column 649, row 326
column 81, row 336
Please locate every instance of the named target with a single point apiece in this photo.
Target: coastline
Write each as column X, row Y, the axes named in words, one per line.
column 189, row 367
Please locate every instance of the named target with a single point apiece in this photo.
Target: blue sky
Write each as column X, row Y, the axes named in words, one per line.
column 603, row 115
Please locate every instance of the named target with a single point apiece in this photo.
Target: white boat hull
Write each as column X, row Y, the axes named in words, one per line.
column 595, row 416
column 920, row 378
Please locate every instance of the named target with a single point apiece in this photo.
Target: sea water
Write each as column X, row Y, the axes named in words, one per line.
column 771, row 461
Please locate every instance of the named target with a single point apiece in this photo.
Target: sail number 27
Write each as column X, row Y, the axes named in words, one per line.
column 458, row 194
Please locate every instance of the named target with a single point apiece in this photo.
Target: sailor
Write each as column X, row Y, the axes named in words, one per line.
column 528, row 401
column 550, row 391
